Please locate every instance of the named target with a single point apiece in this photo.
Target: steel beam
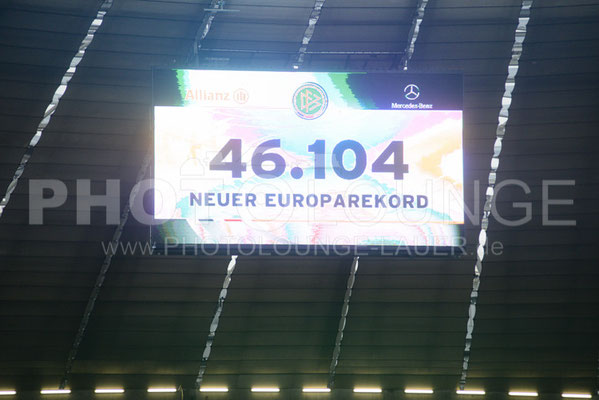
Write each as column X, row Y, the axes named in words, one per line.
column 413, row 35
column 510, row 83
column 342, row 322
column 215, row 319
column 209, row 14
column 91, row 302
column 314, row 16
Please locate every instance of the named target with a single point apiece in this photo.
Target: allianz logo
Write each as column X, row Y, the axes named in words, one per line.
column 240, row 96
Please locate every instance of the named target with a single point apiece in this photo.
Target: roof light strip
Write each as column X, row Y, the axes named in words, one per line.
column 520, row 35
column 109, row 391
column 368, row 390
column 265, row 389
column 55, row 391
column 162, row 390
column 214, row 324
column 342, row 321
column 523, row 394
column 418, row 391
column 214, row 389
column 471, row 392
column 413, row 35
column 316, row 390
column 51, row 108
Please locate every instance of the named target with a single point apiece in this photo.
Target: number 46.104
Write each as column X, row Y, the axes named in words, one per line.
column 390, row 160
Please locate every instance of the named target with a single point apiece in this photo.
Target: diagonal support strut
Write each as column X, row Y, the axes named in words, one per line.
column 342, row 322
column 510, row 83
column 214, row 324
column 308, row 33
column 202, row 32
column 89, row 308
column 413, row 35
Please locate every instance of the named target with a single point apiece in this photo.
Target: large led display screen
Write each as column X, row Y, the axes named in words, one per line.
column 308, row 158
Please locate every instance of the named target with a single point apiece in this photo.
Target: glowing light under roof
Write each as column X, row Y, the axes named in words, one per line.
column 265, row 389
column 471, row 392
column 577, row 395
column 162, row 390
column 524, row 394
column 316, row 390
column 55, row 391
column 214, row 389
column 109, row 390
column 419, row 391
column 367, row 390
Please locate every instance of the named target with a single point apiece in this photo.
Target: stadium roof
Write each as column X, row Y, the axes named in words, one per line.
column 537, row 316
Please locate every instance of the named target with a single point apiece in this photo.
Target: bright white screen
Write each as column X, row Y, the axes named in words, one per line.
column 309, row 159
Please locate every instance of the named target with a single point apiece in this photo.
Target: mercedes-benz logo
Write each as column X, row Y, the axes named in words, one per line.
column 412, row 91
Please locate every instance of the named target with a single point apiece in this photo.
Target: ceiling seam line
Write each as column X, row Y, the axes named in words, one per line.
column 306, row 52
column 89, row 308
column 342, row 322
column 53, row 105
column 215, row 320
column 413, row 35
column 503, row 117
column 308, row 33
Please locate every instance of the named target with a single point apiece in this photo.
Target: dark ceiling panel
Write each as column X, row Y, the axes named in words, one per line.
column 265, row 14
column 364, row 18
column 254, row 31
column 468, row 12
column 160, row 9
